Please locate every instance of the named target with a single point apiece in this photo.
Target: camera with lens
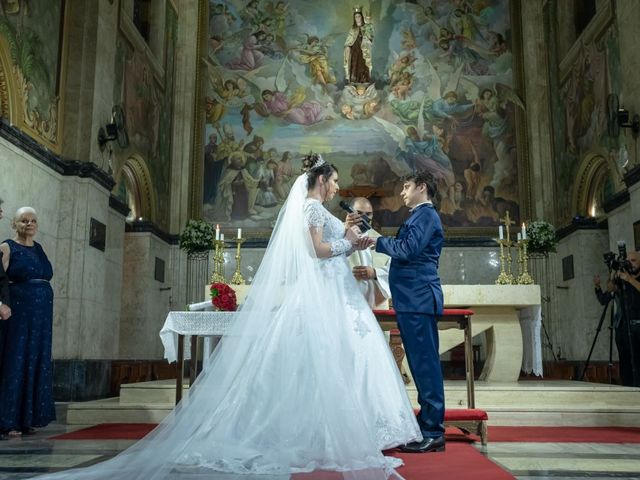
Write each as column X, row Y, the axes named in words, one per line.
column 618, row 263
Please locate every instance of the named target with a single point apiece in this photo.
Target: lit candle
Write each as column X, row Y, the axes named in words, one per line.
column 217, row 231
column 519, row 236
column 222, row 237
column 501, row 232
column 239, row 233
column 524, row 232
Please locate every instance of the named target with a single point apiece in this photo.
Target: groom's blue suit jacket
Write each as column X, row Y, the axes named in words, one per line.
column 413, row 274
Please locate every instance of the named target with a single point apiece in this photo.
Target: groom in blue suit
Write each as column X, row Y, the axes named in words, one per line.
column 417, row 300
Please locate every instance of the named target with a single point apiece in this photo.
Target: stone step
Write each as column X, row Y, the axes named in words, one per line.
column 110, row 410
column 523, row 403
column 542, row 395
column 158, row 391
column 531, row 393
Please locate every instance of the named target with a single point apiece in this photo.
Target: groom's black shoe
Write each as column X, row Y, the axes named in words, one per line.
column 426, row 445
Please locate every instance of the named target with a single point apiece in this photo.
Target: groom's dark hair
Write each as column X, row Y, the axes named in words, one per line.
column 426, row 179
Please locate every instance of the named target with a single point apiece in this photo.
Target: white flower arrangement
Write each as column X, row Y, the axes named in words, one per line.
column 542, row 237
column 196, row 237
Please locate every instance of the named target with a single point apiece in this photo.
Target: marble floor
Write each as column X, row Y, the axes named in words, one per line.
column 26, row 457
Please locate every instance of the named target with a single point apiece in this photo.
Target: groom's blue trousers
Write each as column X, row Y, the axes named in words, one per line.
column 419, row 334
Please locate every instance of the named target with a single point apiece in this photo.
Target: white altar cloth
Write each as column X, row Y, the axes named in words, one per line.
column 203, row 324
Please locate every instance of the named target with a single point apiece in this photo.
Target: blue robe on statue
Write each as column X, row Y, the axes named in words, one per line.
column 26, row 381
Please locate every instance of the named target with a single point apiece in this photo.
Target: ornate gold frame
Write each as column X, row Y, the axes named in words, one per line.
column 196, row 171
column 13, row 88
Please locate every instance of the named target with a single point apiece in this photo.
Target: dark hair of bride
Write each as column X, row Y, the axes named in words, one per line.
column 315, row 166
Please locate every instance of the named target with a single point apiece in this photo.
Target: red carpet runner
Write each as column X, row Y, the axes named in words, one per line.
column 135, row 431
column 461, row 461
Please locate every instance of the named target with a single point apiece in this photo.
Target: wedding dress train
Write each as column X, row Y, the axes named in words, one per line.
column 302, row 382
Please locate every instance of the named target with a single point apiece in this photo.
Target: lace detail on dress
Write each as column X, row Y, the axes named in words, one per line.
column 388, row 435
column 360, row 326
column 314, row 213
column 340, row 246
column 332, row 228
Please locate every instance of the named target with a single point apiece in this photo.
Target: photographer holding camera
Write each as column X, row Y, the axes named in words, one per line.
column 627, row 277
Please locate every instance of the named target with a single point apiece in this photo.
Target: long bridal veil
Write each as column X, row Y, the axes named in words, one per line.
column 276, row 397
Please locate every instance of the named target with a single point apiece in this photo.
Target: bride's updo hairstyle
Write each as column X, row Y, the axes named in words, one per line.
column 315, row 166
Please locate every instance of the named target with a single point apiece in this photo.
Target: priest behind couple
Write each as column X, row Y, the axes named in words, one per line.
column 370, row 268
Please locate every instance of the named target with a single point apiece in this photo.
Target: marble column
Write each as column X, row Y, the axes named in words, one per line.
column 538, row 113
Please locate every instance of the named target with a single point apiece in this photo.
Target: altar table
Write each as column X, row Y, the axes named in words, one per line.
column 509, row 315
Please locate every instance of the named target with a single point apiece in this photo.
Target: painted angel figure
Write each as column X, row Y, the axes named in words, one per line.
column 313, row 52
column 224, row 93
column 492, row 106
column 294, row 108
column 359, row 102
column 358, row 49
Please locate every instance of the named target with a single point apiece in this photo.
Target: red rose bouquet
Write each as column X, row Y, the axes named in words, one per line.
column 223, row 297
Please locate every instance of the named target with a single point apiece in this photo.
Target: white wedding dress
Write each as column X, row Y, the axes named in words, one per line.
column 303, row 382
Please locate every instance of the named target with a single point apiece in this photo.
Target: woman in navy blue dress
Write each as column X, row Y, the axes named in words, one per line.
column 26, row 384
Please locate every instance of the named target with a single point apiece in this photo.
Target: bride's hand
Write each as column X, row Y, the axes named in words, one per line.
column 362, row 243
column 352, row 234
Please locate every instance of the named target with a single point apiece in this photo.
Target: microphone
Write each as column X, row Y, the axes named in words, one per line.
column 365, row 225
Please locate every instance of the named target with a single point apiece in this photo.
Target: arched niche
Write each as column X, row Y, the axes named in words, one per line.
column 138, row 189
column 596, row 179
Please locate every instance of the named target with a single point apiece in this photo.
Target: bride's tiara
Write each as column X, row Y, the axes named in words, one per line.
column 311, row 161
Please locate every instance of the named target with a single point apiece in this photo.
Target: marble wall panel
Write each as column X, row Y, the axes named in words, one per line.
column 620, row 223
column 458, row 265
column 81, row 286
column 575, row 310
column 145, row 301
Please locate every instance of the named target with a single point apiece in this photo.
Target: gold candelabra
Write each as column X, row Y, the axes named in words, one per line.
column 237, row 278
column 218, row 262
column 523, row 260
column 505, row 277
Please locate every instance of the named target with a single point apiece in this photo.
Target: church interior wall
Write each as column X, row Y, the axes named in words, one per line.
column 109, row 305
column 85, row 310
column 145, row 300
column 620, row 223
column 574, row 306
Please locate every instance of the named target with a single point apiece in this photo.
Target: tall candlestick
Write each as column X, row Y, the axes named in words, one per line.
column 217, row 231
column 239, row 233
column 523, row 231
column 501, row 232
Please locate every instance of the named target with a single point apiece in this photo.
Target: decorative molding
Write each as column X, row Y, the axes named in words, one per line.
column 45, row 127
column 5, row 105
column 589, row 177
column 116, row 204
column 595, row 29
column 15, row 90
column 581, row 223
column 197, row 149
column 520, row 124
column 64, row 167
column 140, row 185
column 133, row 36
column 146, row 226
column 616, row 201
column 632, row 176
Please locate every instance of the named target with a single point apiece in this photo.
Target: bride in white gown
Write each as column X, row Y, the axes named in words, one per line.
column 302, row 382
